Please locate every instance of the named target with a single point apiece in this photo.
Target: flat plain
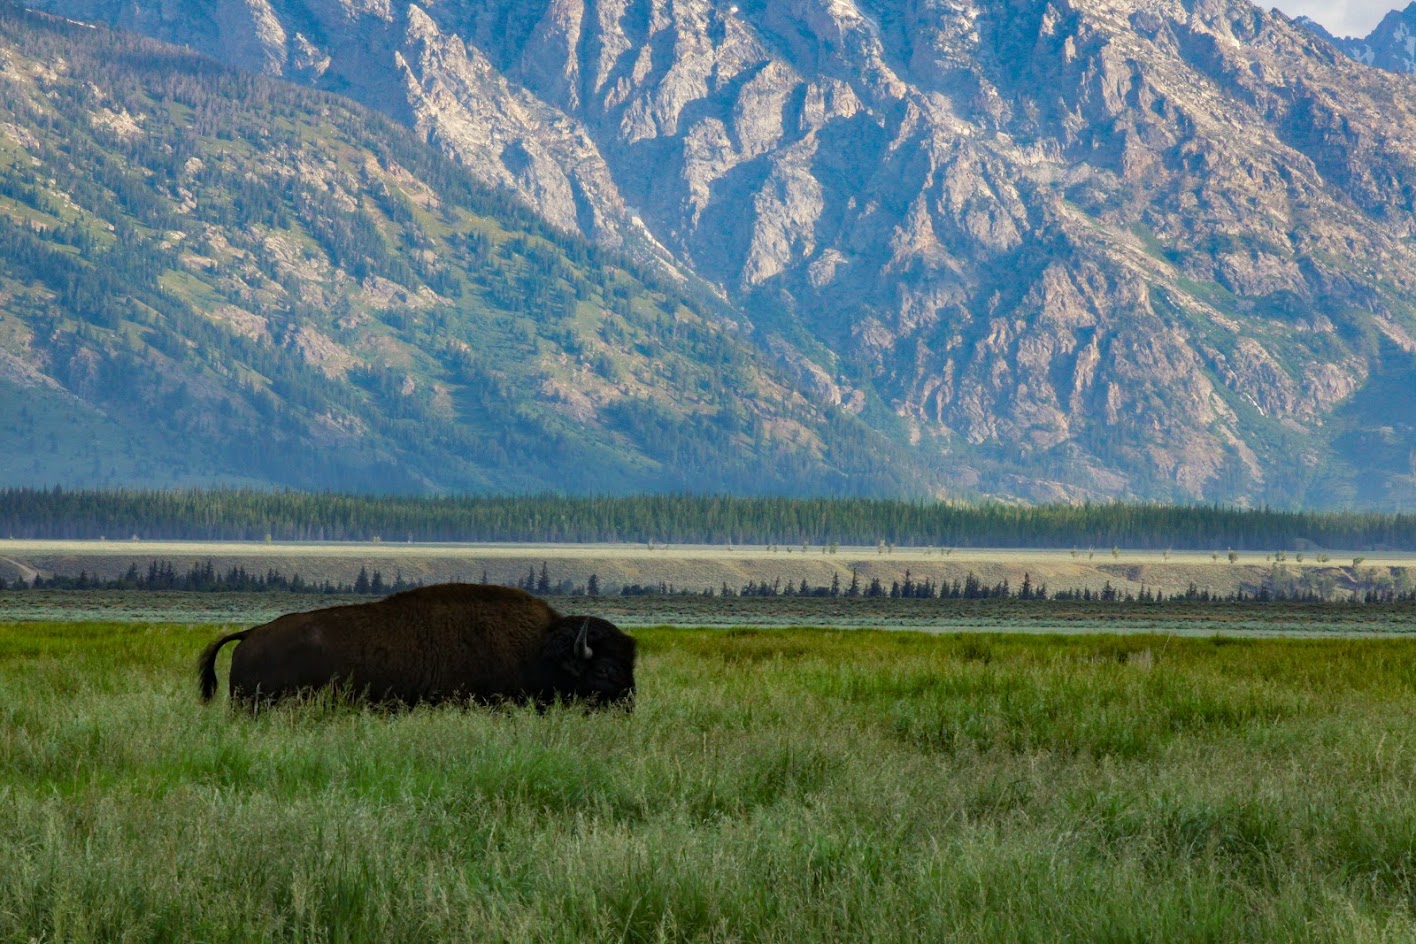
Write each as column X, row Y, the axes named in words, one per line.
column 704, row 567
column 1292, row 620
column 771, row 785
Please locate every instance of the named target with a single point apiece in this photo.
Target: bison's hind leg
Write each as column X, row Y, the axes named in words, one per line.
column 255, row 700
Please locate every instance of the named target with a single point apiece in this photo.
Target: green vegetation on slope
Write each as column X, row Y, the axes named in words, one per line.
column 245, row 281
column 770, row 786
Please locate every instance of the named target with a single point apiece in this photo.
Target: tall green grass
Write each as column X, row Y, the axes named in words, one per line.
column 771, row 786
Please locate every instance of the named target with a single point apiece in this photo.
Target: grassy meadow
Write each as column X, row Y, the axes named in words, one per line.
column 772, row 785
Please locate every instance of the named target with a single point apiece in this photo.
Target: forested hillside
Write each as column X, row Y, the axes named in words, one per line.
column 247, row 515
column 211, row 276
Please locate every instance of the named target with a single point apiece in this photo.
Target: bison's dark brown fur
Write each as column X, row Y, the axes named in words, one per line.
column 451, row 641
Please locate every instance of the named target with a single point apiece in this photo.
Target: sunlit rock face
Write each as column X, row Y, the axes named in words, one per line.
column 1136, row 248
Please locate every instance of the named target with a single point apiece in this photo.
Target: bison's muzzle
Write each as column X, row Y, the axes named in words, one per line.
column 470, row 642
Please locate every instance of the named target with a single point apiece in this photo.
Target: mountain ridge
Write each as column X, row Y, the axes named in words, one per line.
column 1097, row 249
column 209, row 276
column 1391, row 45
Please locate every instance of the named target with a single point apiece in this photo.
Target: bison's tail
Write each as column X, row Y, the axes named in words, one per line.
column 206, row 663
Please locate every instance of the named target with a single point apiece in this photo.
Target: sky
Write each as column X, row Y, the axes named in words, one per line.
column 1341, row 17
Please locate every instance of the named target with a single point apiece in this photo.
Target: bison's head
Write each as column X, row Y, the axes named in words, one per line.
column 590, row 659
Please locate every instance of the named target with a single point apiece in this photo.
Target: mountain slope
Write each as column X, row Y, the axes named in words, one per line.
column 1061, row 248
column 206, row 275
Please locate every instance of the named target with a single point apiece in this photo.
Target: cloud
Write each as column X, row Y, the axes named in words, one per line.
column 1349, row 18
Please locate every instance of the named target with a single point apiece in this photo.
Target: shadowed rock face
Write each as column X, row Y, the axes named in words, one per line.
column 1087, row 248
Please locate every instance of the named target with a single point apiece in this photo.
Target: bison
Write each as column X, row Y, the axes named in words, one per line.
column 469, row 642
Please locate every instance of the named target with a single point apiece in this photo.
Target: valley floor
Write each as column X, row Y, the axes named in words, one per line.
column 709, row 567
column 931, row 616
column 771, row 785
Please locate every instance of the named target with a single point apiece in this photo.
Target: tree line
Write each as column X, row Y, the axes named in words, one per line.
column 205, row 577
column 231, row 514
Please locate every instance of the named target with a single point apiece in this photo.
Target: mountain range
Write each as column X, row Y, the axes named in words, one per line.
column 1050, row 249
column 211, row 276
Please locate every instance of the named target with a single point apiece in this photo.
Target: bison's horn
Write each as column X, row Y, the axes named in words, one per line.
column 582, row 642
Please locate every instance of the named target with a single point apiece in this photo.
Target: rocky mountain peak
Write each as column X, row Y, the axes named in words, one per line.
column 1391, row 45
